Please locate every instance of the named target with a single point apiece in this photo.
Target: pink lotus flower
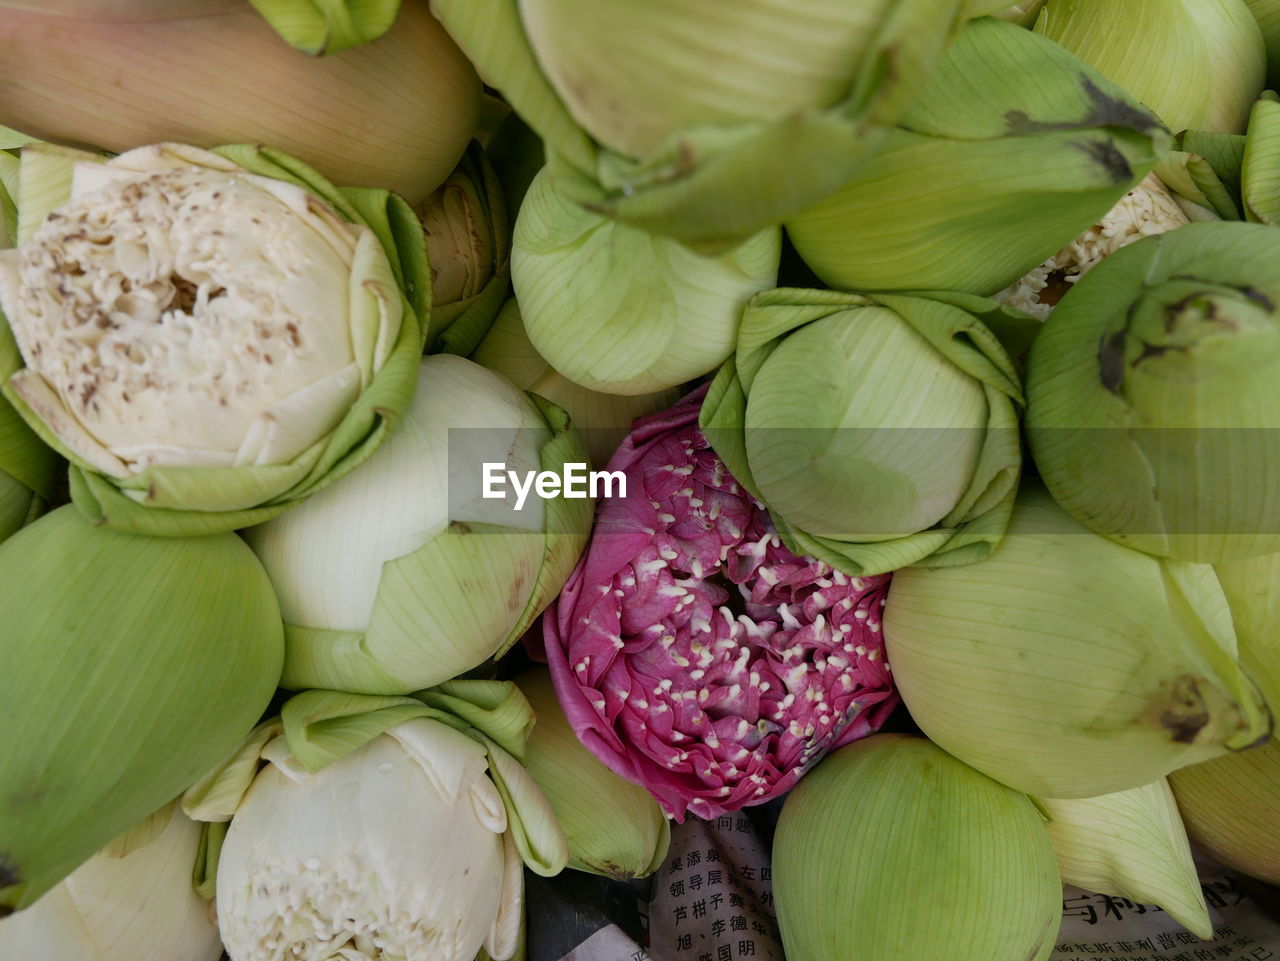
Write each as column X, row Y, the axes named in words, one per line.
column 692, row 652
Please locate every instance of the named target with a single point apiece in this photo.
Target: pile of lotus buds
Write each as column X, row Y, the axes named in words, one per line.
column 444, row 440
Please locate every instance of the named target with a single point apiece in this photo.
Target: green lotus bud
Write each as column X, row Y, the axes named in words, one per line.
column 985, row 177
column 1267, row 13
column 378, row 576
column 1066, row 665
column 1231, row 810
column 892, row 849
column 1145, row 210
column 469, row 249
column 1215, row 43
column 710, row 121
column 1131, row 845
column 1152, row 409
column 621, row 310
column 822, row 415
column 602, row 420
column 133, row 664
column 615, row 828
column 1231, row 805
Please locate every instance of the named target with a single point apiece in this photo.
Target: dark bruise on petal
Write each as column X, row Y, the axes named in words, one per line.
column 1104, row 111
column 1108, row 156
column 1256, row 296
column 1186, row 714
column 9, row 877
column 1111, row 361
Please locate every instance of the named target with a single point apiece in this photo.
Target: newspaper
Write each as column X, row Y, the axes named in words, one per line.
column 712, row 900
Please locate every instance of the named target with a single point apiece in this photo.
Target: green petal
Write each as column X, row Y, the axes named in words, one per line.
column 693, row 188
column 145, row 716
column 327, row 26
column 1013, row 150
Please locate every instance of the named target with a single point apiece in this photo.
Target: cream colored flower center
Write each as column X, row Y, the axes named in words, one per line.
column 170, row 310
column 1145, row 210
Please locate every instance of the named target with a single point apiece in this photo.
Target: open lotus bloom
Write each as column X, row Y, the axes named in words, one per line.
column 380, row 828
column 1152, row 412
column 207, row 337
column 665, row 115
column 132, row 901
column 878, row 430
column 378, row 575
column 695, row 654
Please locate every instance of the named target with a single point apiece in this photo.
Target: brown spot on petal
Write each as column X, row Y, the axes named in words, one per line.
column 1185, row 713
column 1111, row 361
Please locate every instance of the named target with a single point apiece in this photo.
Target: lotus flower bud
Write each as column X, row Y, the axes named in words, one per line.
column 909, row 452
column 1230, row 809
column 614, row 828
column 1145, row 210
column 1267, row 13
column 132, row 665
column 1152, row 409
column 397, row 849
column 1068, row 666
column 1130, row 844
column 603, row 420
column 119, row 73
column 892, row 849
column 620, row 310
column 666, row 116
column 132, row 901
column 205, row 344
column 985, row 178
column 469, row 250
column 696, row 655
column 1231, row 805
column 377, row 576
column 1218, row 42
